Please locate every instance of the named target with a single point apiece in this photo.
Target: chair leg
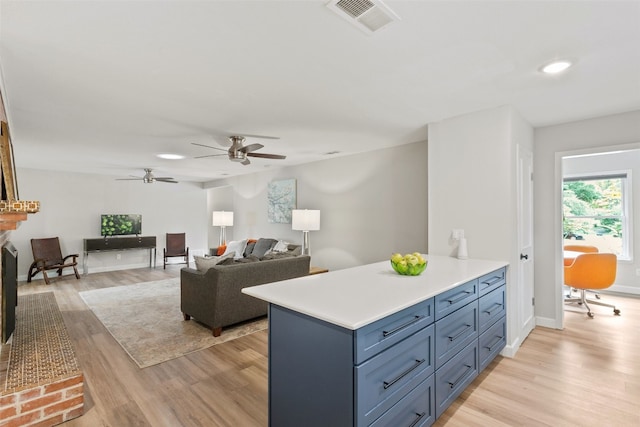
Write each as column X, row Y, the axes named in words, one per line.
column 46, row 278
column 604, row 304
column 583, row 300
column 75, row 270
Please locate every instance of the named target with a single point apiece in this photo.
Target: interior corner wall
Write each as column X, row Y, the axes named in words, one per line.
column 620, row 131
column 371, row 205
column 470, row 160
column 71, row 205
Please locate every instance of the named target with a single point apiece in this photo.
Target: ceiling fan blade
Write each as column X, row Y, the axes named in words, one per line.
column 246, row 135
column 267, row 156
column 129, row 179
column 208, row 146
column 169, row 180
column 209, row 155
column 250, row 147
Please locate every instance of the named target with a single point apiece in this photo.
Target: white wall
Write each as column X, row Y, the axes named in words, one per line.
column 71, row 205
column 472, row 175
column 372, row 204
column 621, row 131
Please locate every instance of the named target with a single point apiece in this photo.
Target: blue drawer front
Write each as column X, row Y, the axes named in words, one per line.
column 492, row 342
column 415, row 410
column 453, row 299
column 491, row 307
column 383, row 380
column 455, row 376
column 455, row 332
column 491, row 281
column 378, row 336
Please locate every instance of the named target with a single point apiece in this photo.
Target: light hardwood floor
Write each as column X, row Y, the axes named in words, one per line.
column 587, row 374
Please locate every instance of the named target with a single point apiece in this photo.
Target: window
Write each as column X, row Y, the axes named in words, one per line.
column 596, row 212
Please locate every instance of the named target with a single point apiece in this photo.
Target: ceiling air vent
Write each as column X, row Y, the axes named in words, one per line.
column 367, row 15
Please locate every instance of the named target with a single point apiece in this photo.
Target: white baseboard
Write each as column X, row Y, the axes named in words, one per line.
column 546, row 322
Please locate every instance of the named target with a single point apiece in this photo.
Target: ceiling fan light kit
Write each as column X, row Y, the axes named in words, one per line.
column 240, row 153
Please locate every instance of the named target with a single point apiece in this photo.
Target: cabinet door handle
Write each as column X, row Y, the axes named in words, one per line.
column 401, row 327
column 490, row 309
column 417, row 420
column 492, row 281
column 462, row 331
column 455, row 383
column 460, row 298
column 497, row 341
column 388, row 384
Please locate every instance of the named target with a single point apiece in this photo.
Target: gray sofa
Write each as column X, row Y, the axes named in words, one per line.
column 214, row 297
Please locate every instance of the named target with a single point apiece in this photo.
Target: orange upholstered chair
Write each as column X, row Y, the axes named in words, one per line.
column 591, row 271
column 578, row 248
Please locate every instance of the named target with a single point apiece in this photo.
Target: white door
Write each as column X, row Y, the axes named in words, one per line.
column 524, row 273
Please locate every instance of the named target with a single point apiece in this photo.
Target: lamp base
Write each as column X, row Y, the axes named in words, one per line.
column 306, row 248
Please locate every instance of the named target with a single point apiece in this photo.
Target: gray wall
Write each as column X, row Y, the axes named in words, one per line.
column 621, row 131
column 71, row 205
column 372, row 204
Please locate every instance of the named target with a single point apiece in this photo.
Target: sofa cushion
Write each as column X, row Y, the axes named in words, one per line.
column 236, row 247
column 262, row 246
column 205, row 263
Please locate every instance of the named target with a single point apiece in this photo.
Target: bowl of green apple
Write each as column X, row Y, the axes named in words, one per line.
column 408, row 265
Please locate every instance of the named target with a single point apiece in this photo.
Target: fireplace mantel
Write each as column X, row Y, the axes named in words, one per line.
column 13, row 212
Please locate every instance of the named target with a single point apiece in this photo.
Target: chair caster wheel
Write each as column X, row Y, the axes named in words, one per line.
column 590, row 314
column 597, row 296
column 616, row 312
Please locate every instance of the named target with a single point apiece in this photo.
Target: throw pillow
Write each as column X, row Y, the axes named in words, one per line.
column 237, row 247
column 249, row 249
column 205, row 263
column 262, row 246
column 281, row 246
column 221, row 250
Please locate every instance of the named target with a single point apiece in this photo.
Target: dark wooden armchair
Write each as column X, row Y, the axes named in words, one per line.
column 176, row 247
column 48, row 256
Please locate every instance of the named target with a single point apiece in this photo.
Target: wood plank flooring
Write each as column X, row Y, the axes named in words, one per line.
column 587, row 374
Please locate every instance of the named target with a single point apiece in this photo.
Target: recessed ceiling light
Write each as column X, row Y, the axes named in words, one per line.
column 169, row 156
column 556, row 67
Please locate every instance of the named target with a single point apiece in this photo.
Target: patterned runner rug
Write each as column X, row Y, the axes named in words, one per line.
column 146, row 320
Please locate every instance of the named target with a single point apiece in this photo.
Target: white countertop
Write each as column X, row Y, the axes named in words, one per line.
column 355, row 297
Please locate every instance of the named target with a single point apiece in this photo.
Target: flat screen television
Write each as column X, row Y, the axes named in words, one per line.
column 120, row 224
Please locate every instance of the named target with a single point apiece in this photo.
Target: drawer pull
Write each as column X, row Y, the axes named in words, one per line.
column 490, row 309
column 493, row 281
column 401, row 327
column 455, row 383
column 462, row 331
column 417, row 420
column 388, row 384
column 497, row 341
column 460, row 298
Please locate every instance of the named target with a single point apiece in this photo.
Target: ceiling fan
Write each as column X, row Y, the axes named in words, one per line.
column 240, row 153
column 149, row 178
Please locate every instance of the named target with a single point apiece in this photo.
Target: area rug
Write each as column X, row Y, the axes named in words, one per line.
column 146, row 320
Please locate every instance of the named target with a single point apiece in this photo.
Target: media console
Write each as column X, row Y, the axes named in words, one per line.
column 105, row 244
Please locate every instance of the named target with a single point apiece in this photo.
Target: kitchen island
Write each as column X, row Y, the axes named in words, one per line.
column 366, row 346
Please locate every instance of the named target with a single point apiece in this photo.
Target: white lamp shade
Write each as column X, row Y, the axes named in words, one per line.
column 222, row 218
column 305, row 219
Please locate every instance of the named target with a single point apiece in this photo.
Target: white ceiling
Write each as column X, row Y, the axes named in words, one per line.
column 102, row 87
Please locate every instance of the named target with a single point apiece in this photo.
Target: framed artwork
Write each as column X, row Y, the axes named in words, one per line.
column 281, row 199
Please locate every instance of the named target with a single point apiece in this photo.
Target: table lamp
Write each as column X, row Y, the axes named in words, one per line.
column 222, row 219
column 305, row 220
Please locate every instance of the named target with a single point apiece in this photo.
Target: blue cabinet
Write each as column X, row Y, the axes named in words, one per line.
column 404, row 369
